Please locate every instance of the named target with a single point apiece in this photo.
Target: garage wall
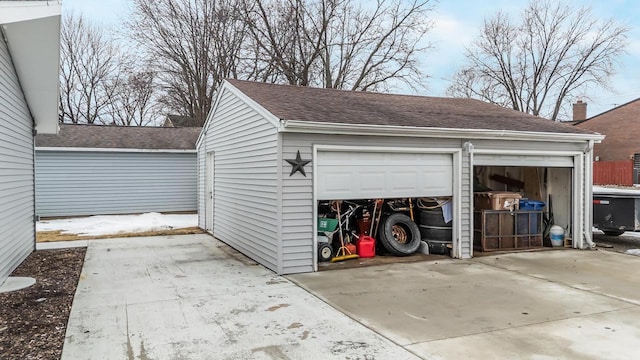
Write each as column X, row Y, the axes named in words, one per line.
column 246, row 179
column 70, row 183
column 297, row 190
column 17, row 238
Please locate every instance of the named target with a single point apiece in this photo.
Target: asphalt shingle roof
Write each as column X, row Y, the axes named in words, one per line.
column 289, row 102
column 120, row 137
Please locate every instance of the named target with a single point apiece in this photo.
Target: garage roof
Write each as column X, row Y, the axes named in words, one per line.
column 121, row 137
column 301, row 103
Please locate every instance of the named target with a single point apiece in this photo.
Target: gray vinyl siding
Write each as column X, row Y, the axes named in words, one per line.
column 17, row 238
column 297, row 191
column 245, row 187
column 70, row 183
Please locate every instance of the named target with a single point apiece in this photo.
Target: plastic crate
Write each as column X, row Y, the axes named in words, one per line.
column 531, row 205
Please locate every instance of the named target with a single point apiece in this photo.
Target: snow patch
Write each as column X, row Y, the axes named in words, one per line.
column 635, row 252
column 119, row 224
column 613, row 190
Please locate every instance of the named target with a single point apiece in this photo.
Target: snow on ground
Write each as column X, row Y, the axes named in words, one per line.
column 119, row 224
column 635, row 252
column 616, row 190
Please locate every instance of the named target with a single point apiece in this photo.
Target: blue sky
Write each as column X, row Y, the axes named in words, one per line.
column 456, row 24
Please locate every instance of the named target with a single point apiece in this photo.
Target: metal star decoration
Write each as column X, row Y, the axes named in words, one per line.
column 298, row 164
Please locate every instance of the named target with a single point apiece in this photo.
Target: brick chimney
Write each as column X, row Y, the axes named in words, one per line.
column 579, row 111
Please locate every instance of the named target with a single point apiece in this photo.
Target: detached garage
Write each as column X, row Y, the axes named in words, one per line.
column 99, row 170
column 273, row 160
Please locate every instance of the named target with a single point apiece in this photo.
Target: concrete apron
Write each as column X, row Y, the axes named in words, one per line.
column 192, row 297
column 552, row 304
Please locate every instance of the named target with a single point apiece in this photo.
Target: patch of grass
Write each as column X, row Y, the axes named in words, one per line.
column 57, row 235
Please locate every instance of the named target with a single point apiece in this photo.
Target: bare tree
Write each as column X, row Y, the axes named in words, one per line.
column 192, row 45
column 89, row 71
column 134, row 103
column 338, row 43
column 532, row 66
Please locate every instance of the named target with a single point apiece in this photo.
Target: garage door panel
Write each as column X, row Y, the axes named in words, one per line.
column 523, row 160
column 363, row 175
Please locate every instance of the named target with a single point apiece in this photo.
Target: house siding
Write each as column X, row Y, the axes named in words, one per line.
column 70, row 183
column 17, row 238
column 297, row 190
column 246, row 179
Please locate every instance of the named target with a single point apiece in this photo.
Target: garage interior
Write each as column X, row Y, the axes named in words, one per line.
column 516, row 208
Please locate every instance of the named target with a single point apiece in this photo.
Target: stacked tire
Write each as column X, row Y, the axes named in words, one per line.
column 399, row 235
column 435, row 231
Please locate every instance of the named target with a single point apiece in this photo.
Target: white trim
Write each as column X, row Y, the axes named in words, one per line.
column 525, row 152
column 81, row 149
column 298, row 126
column 456, row 154
column 314, row 189
column 275, row 121
column 578, row 192
column 472, row 214
column 31, row 30
column 588, row 198
column 395, row 149
column 457, row 206
column 279, row 205
column 16, row 11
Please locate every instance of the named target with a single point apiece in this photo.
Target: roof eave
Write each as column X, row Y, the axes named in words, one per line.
column 32, row 32
column 102, row 149
column 300, row 126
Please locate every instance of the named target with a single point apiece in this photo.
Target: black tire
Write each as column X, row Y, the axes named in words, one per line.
column 325, row 252
column 432, row 217
column 613, row 232
column 400, row 236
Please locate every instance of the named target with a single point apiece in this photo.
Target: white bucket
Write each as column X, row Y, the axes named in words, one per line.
column 556, row 235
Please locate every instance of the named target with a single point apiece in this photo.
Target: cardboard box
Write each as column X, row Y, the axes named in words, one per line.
column 496, row 200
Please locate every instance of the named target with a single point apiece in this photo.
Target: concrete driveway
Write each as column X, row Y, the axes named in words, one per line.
column 192, row 297
column 539, row 305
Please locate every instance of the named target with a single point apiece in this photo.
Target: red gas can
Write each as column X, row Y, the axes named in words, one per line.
column 366, row 246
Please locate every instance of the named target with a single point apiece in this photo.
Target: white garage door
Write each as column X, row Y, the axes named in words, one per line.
column 523, row 160
column 367, row 175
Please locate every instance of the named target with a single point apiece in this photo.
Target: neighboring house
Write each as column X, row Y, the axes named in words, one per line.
column 180, row 121
column 619, row 154
column 29, row 61
column 93, row 169
column 621, row 126
column 362, row 145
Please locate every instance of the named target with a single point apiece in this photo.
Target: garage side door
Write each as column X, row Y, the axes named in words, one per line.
column 366, row 175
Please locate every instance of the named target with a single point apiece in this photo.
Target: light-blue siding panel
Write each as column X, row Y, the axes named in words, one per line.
column 72, row 183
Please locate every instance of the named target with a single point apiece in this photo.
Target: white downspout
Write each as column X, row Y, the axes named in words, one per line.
column 588, row 196
column 469, row 148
